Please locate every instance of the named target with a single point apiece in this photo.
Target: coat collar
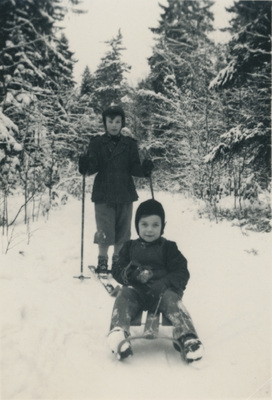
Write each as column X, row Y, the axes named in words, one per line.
column 106, row 137
column 145, row 244
column 118, row 148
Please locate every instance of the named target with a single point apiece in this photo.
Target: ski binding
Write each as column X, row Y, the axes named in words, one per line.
column 107, row 281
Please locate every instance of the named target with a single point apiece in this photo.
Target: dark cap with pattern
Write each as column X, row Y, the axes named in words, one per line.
column 149, row 207
column 114, row 111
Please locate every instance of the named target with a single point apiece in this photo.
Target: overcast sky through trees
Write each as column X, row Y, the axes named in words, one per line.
column 88, row 32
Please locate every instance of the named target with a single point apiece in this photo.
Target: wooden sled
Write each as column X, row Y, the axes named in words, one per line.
column 151, row 324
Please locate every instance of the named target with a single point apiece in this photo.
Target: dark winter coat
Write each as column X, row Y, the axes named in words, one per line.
column 162, row 257
column 115, row 163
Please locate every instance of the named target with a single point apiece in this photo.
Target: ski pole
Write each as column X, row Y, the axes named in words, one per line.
column 146, row 154
column 82, row 277
column 151, row 187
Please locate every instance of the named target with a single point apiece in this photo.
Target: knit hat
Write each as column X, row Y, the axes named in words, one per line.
column 114, row 111
column 149, row 207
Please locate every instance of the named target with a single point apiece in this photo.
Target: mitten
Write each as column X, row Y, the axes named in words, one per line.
column 156, row 288
column 147, row 166
column 144, row 276
column 83, row 164
column 135, row 272
column 130, row 272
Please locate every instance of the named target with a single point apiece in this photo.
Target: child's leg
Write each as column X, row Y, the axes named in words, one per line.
column 183, row 328
column 104, row 236
column 116, row 249
column 171, row 306
column 103, row 250
column 105, row 224
column 102, row 266
column 122, row 225
column 122, row 228
column 127, row 305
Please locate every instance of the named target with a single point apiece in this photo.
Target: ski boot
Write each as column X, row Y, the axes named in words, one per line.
column 115, row 337
column 192, row 348
column 102, row 267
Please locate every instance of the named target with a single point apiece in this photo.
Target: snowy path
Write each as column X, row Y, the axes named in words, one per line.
column 53, row 327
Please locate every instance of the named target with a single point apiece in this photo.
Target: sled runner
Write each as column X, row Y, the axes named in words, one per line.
column 151, row 322
column 107, row 281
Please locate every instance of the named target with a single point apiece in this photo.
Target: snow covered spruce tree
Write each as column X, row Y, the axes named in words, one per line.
column 78, row 123
column 9, row 162
column 110, row 79
column 181, row 67
column 88, row 120
column 87, row 82
column 244, row 85
column 59, row 142
column 36, row 71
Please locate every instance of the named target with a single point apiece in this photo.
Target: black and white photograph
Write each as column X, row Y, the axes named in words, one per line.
column 135, row 200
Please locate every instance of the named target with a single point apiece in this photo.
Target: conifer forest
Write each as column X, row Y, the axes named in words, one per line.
column 203, row 113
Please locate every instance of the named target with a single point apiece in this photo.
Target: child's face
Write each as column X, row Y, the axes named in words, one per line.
column 150, row 228
column 114, row 125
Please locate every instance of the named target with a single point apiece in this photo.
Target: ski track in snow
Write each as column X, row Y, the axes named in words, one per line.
column 54, row 327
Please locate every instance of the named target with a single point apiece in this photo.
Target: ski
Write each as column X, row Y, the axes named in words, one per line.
column 107, row 281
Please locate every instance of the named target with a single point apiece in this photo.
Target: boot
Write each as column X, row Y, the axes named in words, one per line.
column 115, row 337
column 102, row 267
column 192, row 348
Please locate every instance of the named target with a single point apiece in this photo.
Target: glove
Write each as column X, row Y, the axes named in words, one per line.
column 83, row 164
column 156, row 288
column 147, row 166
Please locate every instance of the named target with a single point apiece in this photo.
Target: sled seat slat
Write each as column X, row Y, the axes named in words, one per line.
column 147, row 318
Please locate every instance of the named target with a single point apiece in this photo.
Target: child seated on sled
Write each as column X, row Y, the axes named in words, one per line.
column 154, row 275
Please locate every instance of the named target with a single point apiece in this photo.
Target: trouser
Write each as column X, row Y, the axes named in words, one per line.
column 113, row 223
column 130, row 302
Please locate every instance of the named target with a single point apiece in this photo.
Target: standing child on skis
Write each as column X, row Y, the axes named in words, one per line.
column 154, row 275
column 115, row 159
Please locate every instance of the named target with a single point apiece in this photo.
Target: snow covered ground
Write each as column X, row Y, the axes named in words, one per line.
column 53, row 327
